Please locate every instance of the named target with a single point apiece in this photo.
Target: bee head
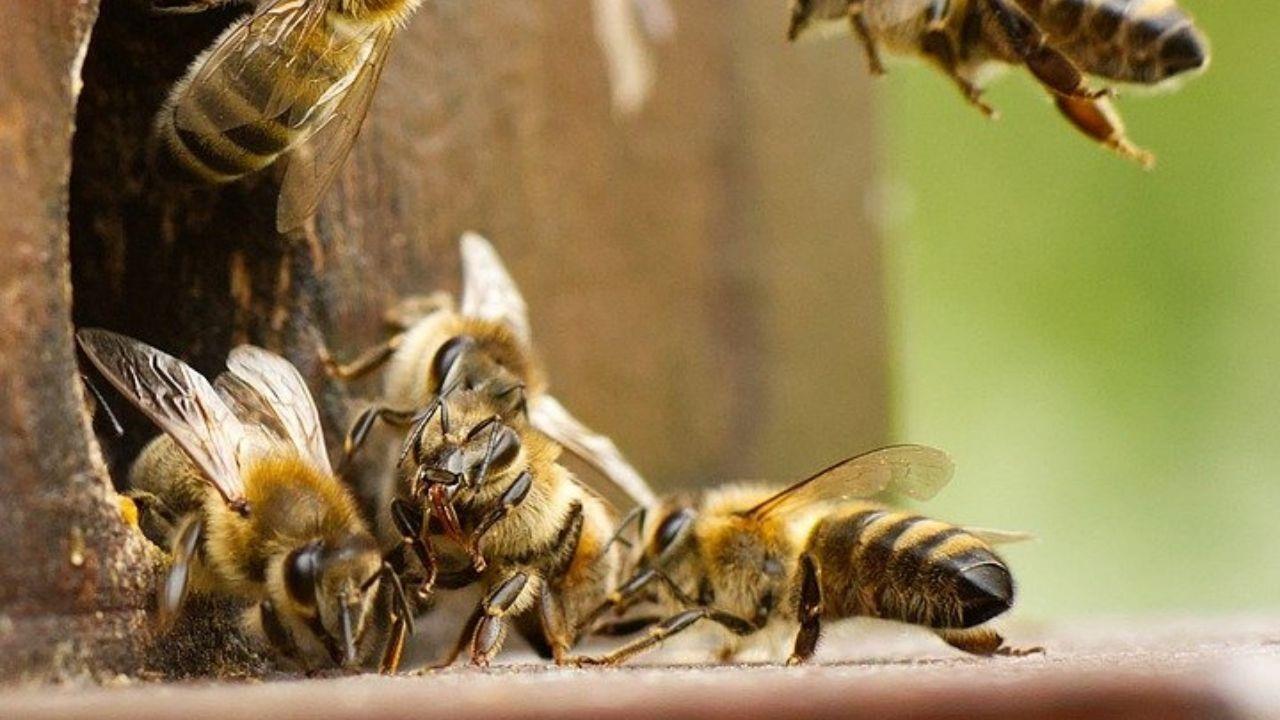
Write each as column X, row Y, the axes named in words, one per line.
column 333, row 585
column 461, row 364
column 468, row 448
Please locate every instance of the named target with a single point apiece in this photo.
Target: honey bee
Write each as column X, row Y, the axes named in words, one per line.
column 751, row 558
column 622, row 28
column 496, row 488
column 1141, row 42
column 242, row 482
column 293, row 77
column 483, row 345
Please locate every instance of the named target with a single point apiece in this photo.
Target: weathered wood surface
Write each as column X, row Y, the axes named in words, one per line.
column 703, row 277
column 1213, row 669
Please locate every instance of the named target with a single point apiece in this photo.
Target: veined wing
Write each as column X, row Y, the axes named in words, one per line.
column 488, row 291
column 549, row 416
column 178, row 399
column 916, row 470
column 314, row 164
column 267, row 389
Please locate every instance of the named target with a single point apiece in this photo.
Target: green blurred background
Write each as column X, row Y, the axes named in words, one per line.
column 1097, row 345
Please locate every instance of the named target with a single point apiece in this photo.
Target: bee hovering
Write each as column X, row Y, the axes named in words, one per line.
column 295, row 78
column 749, row 558
column 241, row 481
column 485, row 344
column 1140, row 42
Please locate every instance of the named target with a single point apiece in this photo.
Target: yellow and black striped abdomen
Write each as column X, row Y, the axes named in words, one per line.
column 876, row 562
column 214, row 124
column 1135, row 41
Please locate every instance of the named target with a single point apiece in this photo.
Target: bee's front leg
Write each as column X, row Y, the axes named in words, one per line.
column 506, row 598
column 983, row 641
column 869, row 43
column 511, row 497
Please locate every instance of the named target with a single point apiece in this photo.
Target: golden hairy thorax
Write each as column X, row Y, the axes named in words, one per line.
column 389, row 11
column 291, row 503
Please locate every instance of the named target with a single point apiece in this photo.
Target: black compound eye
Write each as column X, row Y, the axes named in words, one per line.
column 672, row 527
column 447, row 356
column 505, row 447
column 302, row 573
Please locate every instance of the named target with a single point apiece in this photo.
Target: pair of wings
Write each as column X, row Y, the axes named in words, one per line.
column 289, row 41
column 259, row 404
column 489, row 293
column 917, row 471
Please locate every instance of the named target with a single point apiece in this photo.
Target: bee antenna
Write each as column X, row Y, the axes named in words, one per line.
column 495, row 423
column 413, row 441
column 635, row 516
column 116, row 427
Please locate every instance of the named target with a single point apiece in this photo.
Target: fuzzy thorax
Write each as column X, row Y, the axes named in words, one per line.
column 394, row 12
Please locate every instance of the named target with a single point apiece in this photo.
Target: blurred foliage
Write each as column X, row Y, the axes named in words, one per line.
column 1098, row 346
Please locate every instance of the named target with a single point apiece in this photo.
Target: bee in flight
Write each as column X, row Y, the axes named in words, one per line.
column 295, row 78
column 1141, row 42
column 748, row 558
column 241, row 481
column 483, row 345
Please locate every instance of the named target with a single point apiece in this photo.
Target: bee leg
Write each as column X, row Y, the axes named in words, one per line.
column 401, row 622
column 982, row 641
column 365, row 363
column 413, row 535
column 869, row 43
column 809, row 613
column 174, row 589
column 939, row 44
column 511, row 497
column 277, row 635
column 363, row 425
column 668, row 627
column 406, row 313
column 1025, row 41
column 1098, row 119
column 800, row 10
column 491, row 630
column 464, row 639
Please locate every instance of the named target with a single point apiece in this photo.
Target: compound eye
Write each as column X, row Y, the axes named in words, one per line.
column 447, row 357
column 672, row 528
column 302, row 573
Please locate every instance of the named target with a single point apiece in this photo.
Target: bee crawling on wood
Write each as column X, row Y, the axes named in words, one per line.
column 241, row 481
column 295, row 78
column 748, row 558
column 1140, row 42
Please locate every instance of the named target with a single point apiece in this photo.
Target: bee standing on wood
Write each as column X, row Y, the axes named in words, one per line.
column 242, row 478
column 749, row 558
column 1143, row 42
column 544, row 538
column 483, row 345
column 294, row 77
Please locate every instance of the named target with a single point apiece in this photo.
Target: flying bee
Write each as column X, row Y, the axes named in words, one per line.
column 749, row 558
column 295, row 78
column 242, row 482
column 495, row 487
column 483, row 345
column 1140, row 42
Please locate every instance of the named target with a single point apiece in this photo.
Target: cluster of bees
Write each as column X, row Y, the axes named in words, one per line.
column 241, row 489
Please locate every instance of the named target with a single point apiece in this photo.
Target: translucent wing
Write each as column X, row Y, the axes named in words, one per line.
column 178, row 399
column 992, row 536
column 488, row 292
column 315, row 163
column 549, row 416
column 282, row 397
column 916, row 470
column 627, row 58
column 262, row 67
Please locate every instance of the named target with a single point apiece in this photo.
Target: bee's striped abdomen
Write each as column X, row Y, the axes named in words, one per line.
column 909, row 568
column 223, row 136
column 1137, row 41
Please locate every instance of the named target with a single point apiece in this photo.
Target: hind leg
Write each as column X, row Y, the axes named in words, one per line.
column 984, row 642
column 1098, row 119
column 1026, row 43
column 938, row 44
